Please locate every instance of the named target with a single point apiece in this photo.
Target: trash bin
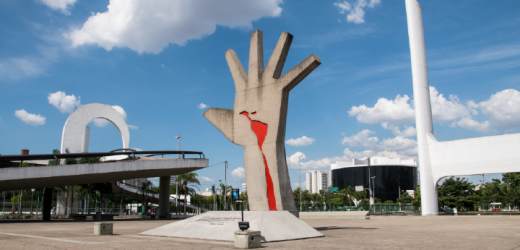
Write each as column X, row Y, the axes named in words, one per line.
column 168, row 216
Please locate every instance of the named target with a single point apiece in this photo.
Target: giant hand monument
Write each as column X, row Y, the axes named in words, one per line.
column 257, row 120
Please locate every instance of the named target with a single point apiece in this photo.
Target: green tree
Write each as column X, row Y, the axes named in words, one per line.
column 404, row 198
column 144, row 189
column 417, row 196
column 186, row 180
column 512, row 187
column 457, row 193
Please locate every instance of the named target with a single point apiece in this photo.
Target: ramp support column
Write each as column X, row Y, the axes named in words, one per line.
column 164, row 196
column 47, row 204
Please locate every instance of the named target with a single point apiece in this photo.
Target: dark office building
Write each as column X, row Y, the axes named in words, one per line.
column 389, row 179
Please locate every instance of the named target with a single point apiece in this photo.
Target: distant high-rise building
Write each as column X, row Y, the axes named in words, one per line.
column 244, row 188
column 316, row 181
column 172, row 179
column 308, row 181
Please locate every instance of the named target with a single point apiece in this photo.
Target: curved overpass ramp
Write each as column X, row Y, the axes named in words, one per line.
column 63, row 175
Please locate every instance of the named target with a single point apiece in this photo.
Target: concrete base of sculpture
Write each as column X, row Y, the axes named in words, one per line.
column 221, row 225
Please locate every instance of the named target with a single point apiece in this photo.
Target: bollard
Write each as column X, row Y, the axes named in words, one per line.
column 103, row 228
column 248, row 239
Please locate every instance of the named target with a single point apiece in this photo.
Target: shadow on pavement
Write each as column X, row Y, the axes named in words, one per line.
column 336, row 228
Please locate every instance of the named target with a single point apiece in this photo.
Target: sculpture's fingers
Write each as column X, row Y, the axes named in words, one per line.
column 222, row 119
column 256, row 58
column 275, row 65
column 294, row 76
column 237, row 70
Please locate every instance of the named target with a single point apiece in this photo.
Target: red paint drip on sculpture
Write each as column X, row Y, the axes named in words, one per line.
column 260, row 130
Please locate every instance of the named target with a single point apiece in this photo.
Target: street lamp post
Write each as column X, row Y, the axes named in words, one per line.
column 373, row 190
column 299, row 157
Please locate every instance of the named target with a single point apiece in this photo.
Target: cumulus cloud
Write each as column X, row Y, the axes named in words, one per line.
column 62, row 5
column 361, row 139
column 408, row 131
column 202, row 106
column 302, row 141
column 238, row 173
column 292, row 162
column 205, row 179
column 150, row 26
column 400, row 111
column 132, row 127
column 355, row 12
column 503, row 108
column 28, row 118
column 64, row 103
column 369, row 145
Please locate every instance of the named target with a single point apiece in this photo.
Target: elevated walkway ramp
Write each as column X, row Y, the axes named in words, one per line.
column 63, row 175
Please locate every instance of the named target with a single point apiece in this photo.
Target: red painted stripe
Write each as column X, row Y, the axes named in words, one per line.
column 260, row 130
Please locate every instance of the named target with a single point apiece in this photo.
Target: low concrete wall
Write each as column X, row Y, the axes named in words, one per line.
column 350, row 215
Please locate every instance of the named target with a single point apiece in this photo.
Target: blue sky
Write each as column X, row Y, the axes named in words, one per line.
column 162, row 63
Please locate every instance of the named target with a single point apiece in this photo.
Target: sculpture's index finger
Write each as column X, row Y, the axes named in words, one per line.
column 237, row 70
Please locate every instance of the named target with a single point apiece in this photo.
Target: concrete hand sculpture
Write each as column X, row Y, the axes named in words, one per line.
column 257, row 121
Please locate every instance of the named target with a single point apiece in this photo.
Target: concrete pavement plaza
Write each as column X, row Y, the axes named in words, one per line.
column 380, row 232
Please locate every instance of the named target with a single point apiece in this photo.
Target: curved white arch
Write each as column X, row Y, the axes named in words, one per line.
column 75, row 132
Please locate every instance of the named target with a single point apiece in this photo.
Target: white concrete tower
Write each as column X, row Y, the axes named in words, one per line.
column 423, row 113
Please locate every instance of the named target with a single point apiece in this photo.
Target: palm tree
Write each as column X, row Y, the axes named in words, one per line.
column 186, row 179
column 144, row 188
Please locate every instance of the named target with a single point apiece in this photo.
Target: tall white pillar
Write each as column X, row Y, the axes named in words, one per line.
column 423, row 111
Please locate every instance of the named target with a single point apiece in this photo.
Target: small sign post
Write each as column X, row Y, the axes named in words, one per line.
column 333, row 189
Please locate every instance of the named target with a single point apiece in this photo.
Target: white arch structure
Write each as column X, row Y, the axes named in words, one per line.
column 76, row 133
column 484, row 155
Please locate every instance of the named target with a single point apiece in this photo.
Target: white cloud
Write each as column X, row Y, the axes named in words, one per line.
column 398, row 147
column 238, row 173
column 65, row 103
column 137, row 149
column 356, row 12
column 504, row 109
column 397, row 111
column 302, row 141
column 205, row 179
column 28, row 118
column 202, row 106
column 150, row 26
column 444, row 110
column 361, row 139
column 391, row 113
column 103, row 122
column 62, row 5
column 469, row 123
column 409, row 131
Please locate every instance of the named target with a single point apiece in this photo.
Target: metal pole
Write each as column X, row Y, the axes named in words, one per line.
column 299, row 165
column 225, row 183
column 176, row 195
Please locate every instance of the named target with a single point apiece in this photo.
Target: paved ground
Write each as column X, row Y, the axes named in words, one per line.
column 385, row 232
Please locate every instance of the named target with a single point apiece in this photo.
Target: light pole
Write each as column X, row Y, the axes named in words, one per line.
column 299, row 157
column 373, row 190
column 225, row 183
